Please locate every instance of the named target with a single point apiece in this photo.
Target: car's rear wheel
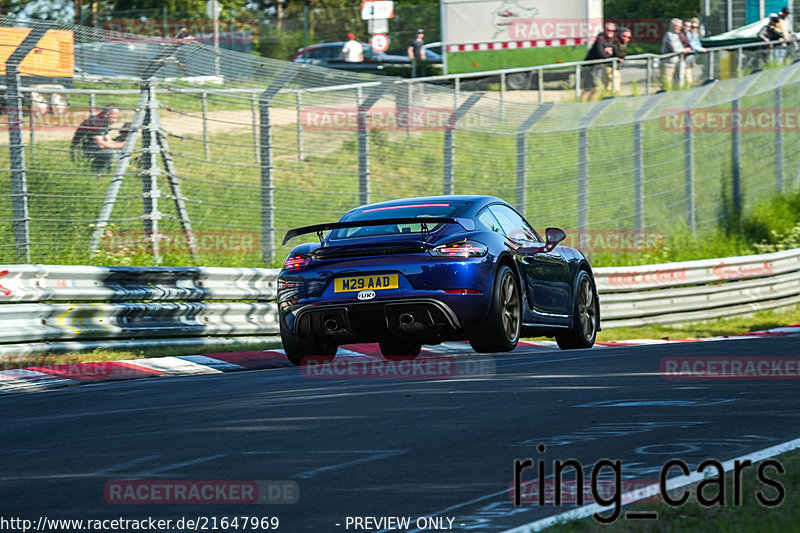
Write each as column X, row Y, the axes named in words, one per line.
column 585, row 316
column 501, row 330
column 298, row 348
column 398, row 350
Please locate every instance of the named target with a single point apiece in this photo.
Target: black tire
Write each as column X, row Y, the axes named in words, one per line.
column 518, row 81
column 399, row 350
column 585, row 317
column 502, row 327
column 298, row 348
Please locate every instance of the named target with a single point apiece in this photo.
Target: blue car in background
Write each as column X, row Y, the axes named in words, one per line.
column 417, row 271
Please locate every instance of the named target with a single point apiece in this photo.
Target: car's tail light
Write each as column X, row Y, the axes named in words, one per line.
column 460, row 249
column 295, row 261
column 462, row 291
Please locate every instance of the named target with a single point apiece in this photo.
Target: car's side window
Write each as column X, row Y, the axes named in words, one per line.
column 488, row 219
column 514, row 225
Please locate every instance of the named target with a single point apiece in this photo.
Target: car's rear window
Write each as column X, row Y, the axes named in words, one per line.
column 413, row 210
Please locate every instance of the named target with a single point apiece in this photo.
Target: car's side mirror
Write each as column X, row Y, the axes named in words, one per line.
column 553, row 236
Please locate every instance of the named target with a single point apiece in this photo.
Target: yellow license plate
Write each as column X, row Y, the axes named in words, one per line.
column 363, row 283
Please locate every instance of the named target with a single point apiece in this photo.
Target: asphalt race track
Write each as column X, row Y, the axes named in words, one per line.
column 385, row 447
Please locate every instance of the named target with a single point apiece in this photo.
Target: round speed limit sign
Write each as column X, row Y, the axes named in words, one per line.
column 379, row 42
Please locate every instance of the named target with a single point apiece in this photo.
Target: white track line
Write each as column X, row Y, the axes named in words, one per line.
column 650, row 491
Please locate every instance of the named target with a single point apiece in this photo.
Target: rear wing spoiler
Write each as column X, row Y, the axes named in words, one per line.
column 466, row 223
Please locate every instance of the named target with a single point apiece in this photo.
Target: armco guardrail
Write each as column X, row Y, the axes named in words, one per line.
column 180, row 302
column 142, row 306
column 698, row 290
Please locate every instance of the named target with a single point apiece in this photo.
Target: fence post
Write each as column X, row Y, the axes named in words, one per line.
column 150, row 172
column 578, row 81
column 92, row 103
column 638, row 160
column 254, row 112
column 456, row 91
column 203, row 99
column 363, row 149
column 522, row 154
column 688, row 153
column 449, row 141
column 736, row 158
column 267, row 170
column 32, row 139
column 19, row 183
column 736, row 141
column 299, row 100
column 583, row 162
column 364, row 105
column 778, row 139
column 649, row 80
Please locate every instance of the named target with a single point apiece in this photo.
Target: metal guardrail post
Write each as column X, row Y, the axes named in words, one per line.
column 614, row 70
column 364, row 105
column 299, row 103
column 583, row 162
column 522, row 154
column 578, row 82
column 449, row 142
column 739, row 62
column 649, row 81
column 92, row 103
column 456, row 90
column 254, row 113
column 540, row 74
column 502, row 95
column 267, row 169
column 638, row 160
column 203, row 100
column 778, row 112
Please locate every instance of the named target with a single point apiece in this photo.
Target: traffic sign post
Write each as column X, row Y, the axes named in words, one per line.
column 379, row 42
column 377, row 9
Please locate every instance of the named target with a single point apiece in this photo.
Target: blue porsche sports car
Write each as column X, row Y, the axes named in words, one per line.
column 417, row 271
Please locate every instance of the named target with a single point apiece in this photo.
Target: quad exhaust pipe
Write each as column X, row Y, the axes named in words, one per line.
column 331, row 324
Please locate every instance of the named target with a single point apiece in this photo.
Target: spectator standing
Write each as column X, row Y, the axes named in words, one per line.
column 780, row 51
column 692, row 32
column 620, row 50
column 770, row 33
column 416, row 53
column 603, row 48
column 91, row 138
column 671, row 44
column 352, row 51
